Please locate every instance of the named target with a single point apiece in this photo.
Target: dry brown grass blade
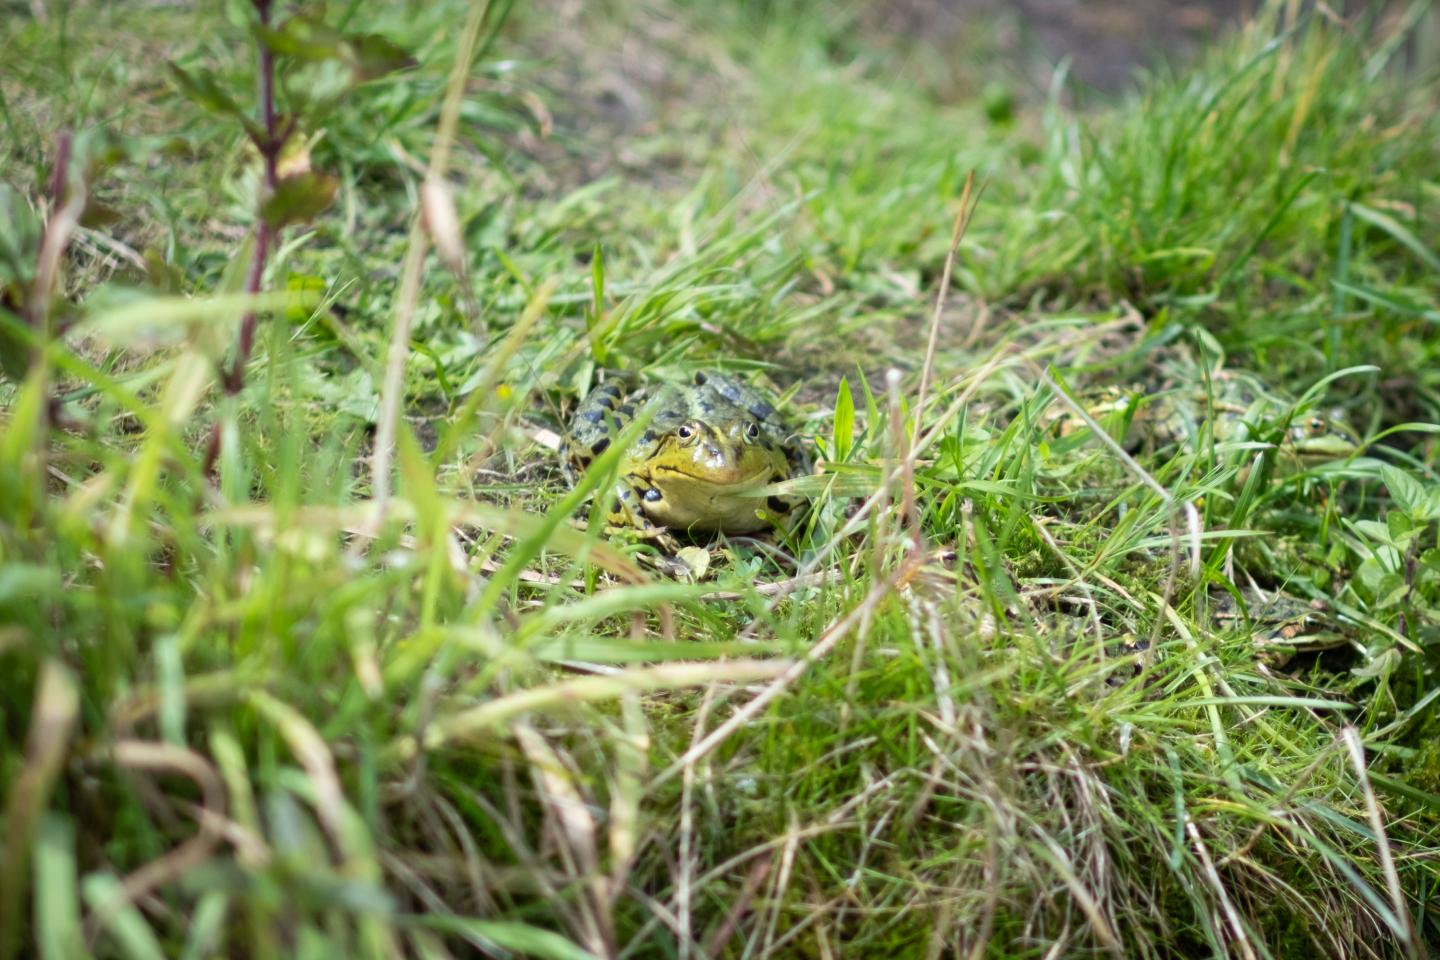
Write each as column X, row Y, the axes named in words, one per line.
column 310, row 749
column 52, row 721
column 632, row 759
column 1406, row 932
column 1232, row 918
column 154, row 757
column 957, row 233
column 909, row 512
column 1059, row 861
column 492, row 716
column 203, row 690
column 575, row 831
column 759, row 870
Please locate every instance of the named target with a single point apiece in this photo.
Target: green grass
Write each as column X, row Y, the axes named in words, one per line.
column 257, row 711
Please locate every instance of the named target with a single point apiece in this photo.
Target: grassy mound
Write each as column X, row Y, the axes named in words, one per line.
column 306, row 649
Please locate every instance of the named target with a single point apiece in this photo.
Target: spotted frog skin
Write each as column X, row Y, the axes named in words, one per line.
column 1234, row 406
column 709, row 444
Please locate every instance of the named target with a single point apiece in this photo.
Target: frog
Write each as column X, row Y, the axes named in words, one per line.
column 1240, row 409
column 1280, row 625
column 709, row 447
column 1236, row 408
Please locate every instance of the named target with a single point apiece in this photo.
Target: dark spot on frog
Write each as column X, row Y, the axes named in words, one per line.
column 653, row 495
column 762, row 411
column 593, row 416
column 729, row 392
column 776, row 504
column 700, row 379
column 599, row 446
column 626, row 410
column 649, row 436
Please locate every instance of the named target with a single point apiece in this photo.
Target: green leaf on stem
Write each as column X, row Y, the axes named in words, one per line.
column 372, row 56
column 201, row 87
column 299, row 198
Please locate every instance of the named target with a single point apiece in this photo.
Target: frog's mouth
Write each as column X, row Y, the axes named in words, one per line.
column 1329, row 447
column 720, row 481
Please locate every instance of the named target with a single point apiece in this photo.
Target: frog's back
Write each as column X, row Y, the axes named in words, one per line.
column 709, row 396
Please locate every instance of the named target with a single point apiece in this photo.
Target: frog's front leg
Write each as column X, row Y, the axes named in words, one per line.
column 627, row 516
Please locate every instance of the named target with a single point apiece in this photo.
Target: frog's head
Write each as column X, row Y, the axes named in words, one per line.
column 1316, row 438
column 702, row 476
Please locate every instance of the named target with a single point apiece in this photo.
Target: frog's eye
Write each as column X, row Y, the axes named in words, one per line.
column 1317, row 426
column 752, row 430
column 686, row 432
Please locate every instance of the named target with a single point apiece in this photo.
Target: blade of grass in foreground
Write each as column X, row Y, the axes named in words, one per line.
column 490, row 717
column 505, row 935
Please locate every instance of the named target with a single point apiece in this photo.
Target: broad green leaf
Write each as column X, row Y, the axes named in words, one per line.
column 304, row 38
column 298, row 198
column 19, row 238
column 1372, row 530
column 372, row 56
column 15, row 340
column 1380, row 666
column 312, row 285
column 1400, row 527
column 1391, row 591
column 1406, row 491
column 202, row 87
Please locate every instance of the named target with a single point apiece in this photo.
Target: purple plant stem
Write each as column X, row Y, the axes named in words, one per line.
column 270, row 151
column 269, row 146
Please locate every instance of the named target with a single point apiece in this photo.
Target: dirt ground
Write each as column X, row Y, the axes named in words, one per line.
column 1107, row 41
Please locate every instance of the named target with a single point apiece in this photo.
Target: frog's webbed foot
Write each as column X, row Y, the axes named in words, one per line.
column 626, row 518
column 659, row 536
